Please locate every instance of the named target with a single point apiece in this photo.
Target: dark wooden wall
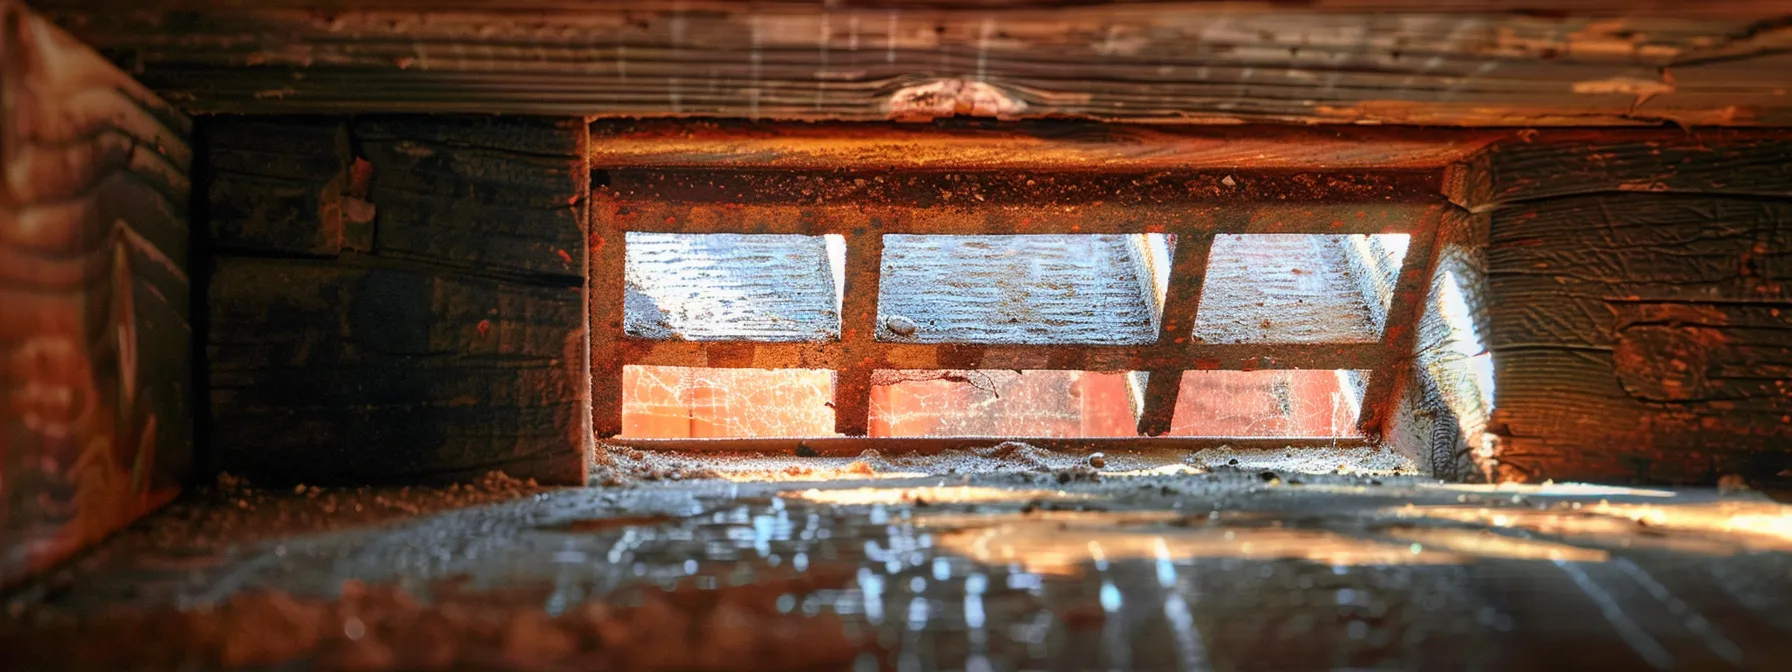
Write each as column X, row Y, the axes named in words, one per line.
column 1636, row 289
column 397, row 298
column 95, row 379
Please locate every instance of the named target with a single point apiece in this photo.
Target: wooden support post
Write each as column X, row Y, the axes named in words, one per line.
column 1401, row 328
column 1176, row 326
column 608, row 251
column 858, row 330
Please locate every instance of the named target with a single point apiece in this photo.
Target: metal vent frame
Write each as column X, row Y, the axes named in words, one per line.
column 744, row 192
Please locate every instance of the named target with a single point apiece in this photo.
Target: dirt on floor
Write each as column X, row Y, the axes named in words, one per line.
column 1008, row 557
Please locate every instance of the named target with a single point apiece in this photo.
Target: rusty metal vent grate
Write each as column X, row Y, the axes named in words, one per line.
column 1149, row 277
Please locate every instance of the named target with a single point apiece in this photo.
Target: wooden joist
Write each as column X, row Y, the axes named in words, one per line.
column 1532, row 165
column 95, row 343
column 1470, row 63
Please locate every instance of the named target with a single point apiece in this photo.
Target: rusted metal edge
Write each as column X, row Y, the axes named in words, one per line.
column 1405, row 308
column 1176, row 325
column 854, row 445
column 857, row 353
column 606, row 249
column 1189, row 218
column 1053, row 146
column 982, row 188
column 877, row 355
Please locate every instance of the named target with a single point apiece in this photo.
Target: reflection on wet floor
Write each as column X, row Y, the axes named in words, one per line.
column 1005, row 572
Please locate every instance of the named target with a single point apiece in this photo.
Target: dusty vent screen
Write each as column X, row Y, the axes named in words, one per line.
column 751, row 304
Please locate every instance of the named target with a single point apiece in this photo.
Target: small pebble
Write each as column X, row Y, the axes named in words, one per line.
column 1098, row 460
column 900, row 326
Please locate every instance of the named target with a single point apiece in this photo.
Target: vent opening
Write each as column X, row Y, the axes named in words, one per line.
column 752, row 314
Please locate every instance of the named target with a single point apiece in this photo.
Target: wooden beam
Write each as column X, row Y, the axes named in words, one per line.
column 1710, row 10
column 1472, row 63
column 95, row 298
column 1642, row 336
column 1551, row 164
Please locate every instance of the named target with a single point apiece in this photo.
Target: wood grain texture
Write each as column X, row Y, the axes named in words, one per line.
column 1088, row 290
column 1620, row 328
column 95, row 345
column 1284, row 288
column 439, row 332
column 1532, row 165
column 336, row 372
column 1329, row 61
column 489, row 196
column 730, row 287
column 277, row 186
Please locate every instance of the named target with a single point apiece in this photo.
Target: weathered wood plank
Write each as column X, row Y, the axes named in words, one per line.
column 1620, row 328
column 452, row 191
column 1716, row 9
column 497, row 195
column 339, row 372
column 1014, row 289
column 541, row 136
column 277, row 185
column 1286, row 288
column 95, row 348
column 1732, row 356
column 1558, row 263
column 478, row 236
column 1537, row 165
column 1474, row 63
column 729, row 287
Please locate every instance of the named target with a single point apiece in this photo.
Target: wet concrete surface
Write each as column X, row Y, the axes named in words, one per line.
column 1020, row 561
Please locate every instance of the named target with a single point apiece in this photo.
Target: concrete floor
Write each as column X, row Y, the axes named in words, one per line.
column 1020, row 560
